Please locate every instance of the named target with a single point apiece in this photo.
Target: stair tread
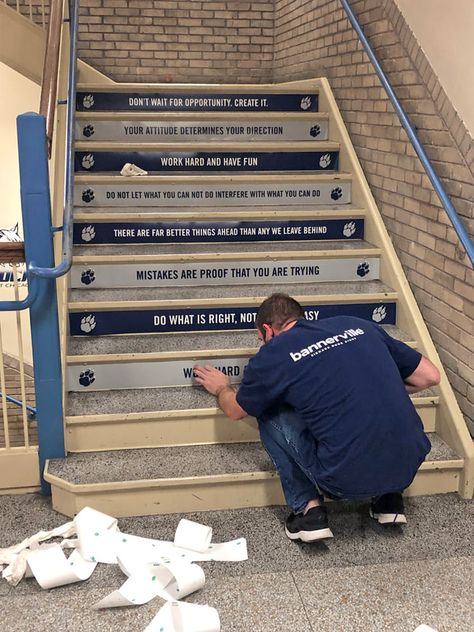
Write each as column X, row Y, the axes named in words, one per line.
column 143, row 400
column 220, row 248
column 156, row 343
column 227, row 145
column 222, row 177
column 259, row 292
column 181, row 462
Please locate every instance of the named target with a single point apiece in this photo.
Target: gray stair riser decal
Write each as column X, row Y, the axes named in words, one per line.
column 203, row 195
column 101, row 323
column 238, row 272
column 99, row 377
column 196, row 232
column 165, row 101
column 204, row 130
column 207, row 162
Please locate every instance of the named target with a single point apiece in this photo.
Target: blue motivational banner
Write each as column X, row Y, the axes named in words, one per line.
column 102, row 323
column 201, row 232
column 208, row 161
column 194, row 102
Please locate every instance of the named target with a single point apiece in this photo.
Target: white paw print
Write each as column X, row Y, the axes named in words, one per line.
column 379, row 314
column 88, row 233
column 349, row 229
column 305, row 103
column 325, row 161
column 88, row 324
column 88, row 161
column 88, row 101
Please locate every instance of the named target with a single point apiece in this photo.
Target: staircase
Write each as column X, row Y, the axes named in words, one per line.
column 251, row 190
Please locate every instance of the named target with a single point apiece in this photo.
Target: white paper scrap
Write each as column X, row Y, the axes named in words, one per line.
column 424, row 628
column 168, row 581
column 51, row 568
column 97, row 533
column 193, row 536
column 179, row 616
column 130, row 169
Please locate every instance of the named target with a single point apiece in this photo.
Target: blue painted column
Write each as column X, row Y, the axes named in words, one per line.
column 38, row 237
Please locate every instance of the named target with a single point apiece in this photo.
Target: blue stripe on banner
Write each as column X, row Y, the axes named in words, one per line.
column 194, row 102
column 208, row 319
column 186, row 232
column 206, row 161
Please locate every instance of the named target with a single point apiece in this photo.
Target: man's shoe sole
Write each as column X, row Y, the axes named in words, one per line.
column 310, row 536
column 388, row 518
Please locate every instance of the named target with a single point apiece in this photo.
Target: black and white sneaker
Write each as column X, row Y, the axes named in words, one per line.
column 309, row 527
column 388, row 509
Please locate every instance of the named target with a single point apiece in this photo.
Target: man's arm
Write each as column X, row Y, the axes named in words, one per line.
column 218, row 384
column 425, row 375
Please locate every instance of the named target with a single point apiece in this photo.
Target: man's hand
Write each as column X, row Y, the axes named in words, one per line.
column 212, row 379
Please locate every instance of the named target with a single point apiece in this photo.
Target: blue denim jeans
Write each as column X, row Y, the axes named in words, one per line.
column 292, row 449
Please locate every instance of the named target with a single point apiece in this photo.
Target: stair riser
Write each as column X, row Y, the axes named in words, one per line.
column 100, row 323
column 175, row 101
column 207, row 162
column 216, row 232
column 248, row 272
column 202, row 496
column 155, row 433
column 157, row 195
column 160, row 131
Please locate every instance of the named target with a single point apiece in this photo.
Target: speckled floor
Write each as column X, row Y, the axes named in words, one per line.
column 367, row 579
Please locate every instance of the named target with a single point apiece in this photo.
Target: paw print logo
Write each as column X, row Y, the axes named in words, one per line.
column 88, row 233
column 363, row 269
column 305, row 103
column 336, row 194
column 88, row 161
column 379, row 314
column 315, row 131
column 87, row 377
column 349, row 229
column 325, row 161
column 88, row 196
column 88, row 131
column 88, row 101
column 88, row 277
column 88, row 324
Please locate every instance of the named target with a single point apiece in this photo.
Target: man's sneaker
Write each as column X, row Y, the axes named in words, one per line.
column 388, row 509
column 309, row 527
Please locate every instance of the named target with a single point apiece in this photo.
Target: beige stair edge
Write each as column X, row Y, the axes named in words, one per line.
column 201, row 116
column 451, row 425
column 354, row 253
column 211, row 88
column 212, row 178
column 288, row 146
column 206, row 493
column 250, row 301
column 95, row 433
column 221, row 216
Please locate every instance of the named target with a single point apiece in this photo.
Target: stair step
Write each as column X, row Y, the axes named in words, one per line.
column 124, row 214
column 214, row 476
column 179, row 343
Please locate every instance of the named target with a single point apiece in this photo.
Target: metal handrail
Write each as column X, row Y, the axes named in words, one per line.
column 417, row 145
column 49, row 85
column 19, row 403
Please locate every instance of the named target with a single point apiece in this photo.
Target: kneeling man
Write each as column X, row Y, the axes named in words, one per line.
column 332, row 402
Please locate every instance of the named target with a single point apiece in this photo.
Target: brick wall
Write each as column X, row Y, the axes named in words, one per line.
column 313, row 38
column 180, row 41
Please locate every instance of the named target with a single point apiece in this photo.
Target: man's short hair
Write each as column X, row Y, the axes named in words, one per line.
column 277, row 310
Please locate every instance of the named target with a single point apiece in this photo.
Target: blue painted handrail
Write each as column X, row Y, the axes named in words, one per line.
column 17, row 402
column 410, row 130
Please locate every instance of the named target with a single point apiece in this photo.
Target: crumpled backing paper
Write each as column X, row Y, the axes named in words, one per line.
column 155, row 568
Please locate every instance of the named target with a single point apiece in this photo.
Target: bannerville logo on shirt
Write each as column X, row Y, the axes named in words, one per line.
column 327, row 343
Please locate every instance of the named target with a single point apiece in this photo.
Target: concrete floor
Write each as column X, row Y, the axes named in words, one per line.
column 368, row 578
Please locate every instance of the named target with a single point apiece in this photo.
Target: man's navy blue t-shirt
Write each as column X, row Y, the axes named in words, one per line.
column 344, row 376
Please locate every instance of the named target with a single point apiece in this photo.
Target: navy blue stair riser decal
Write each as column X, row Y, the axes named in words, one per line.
column 172, row 162
column 194, row 102
column 202, row 232
column 138, row 192
column 202, row 273
column 203, row 130
column 103, row 323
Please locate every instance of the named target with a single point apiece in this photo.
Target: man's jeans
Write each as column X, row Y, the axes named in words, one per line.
column 292, row 449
